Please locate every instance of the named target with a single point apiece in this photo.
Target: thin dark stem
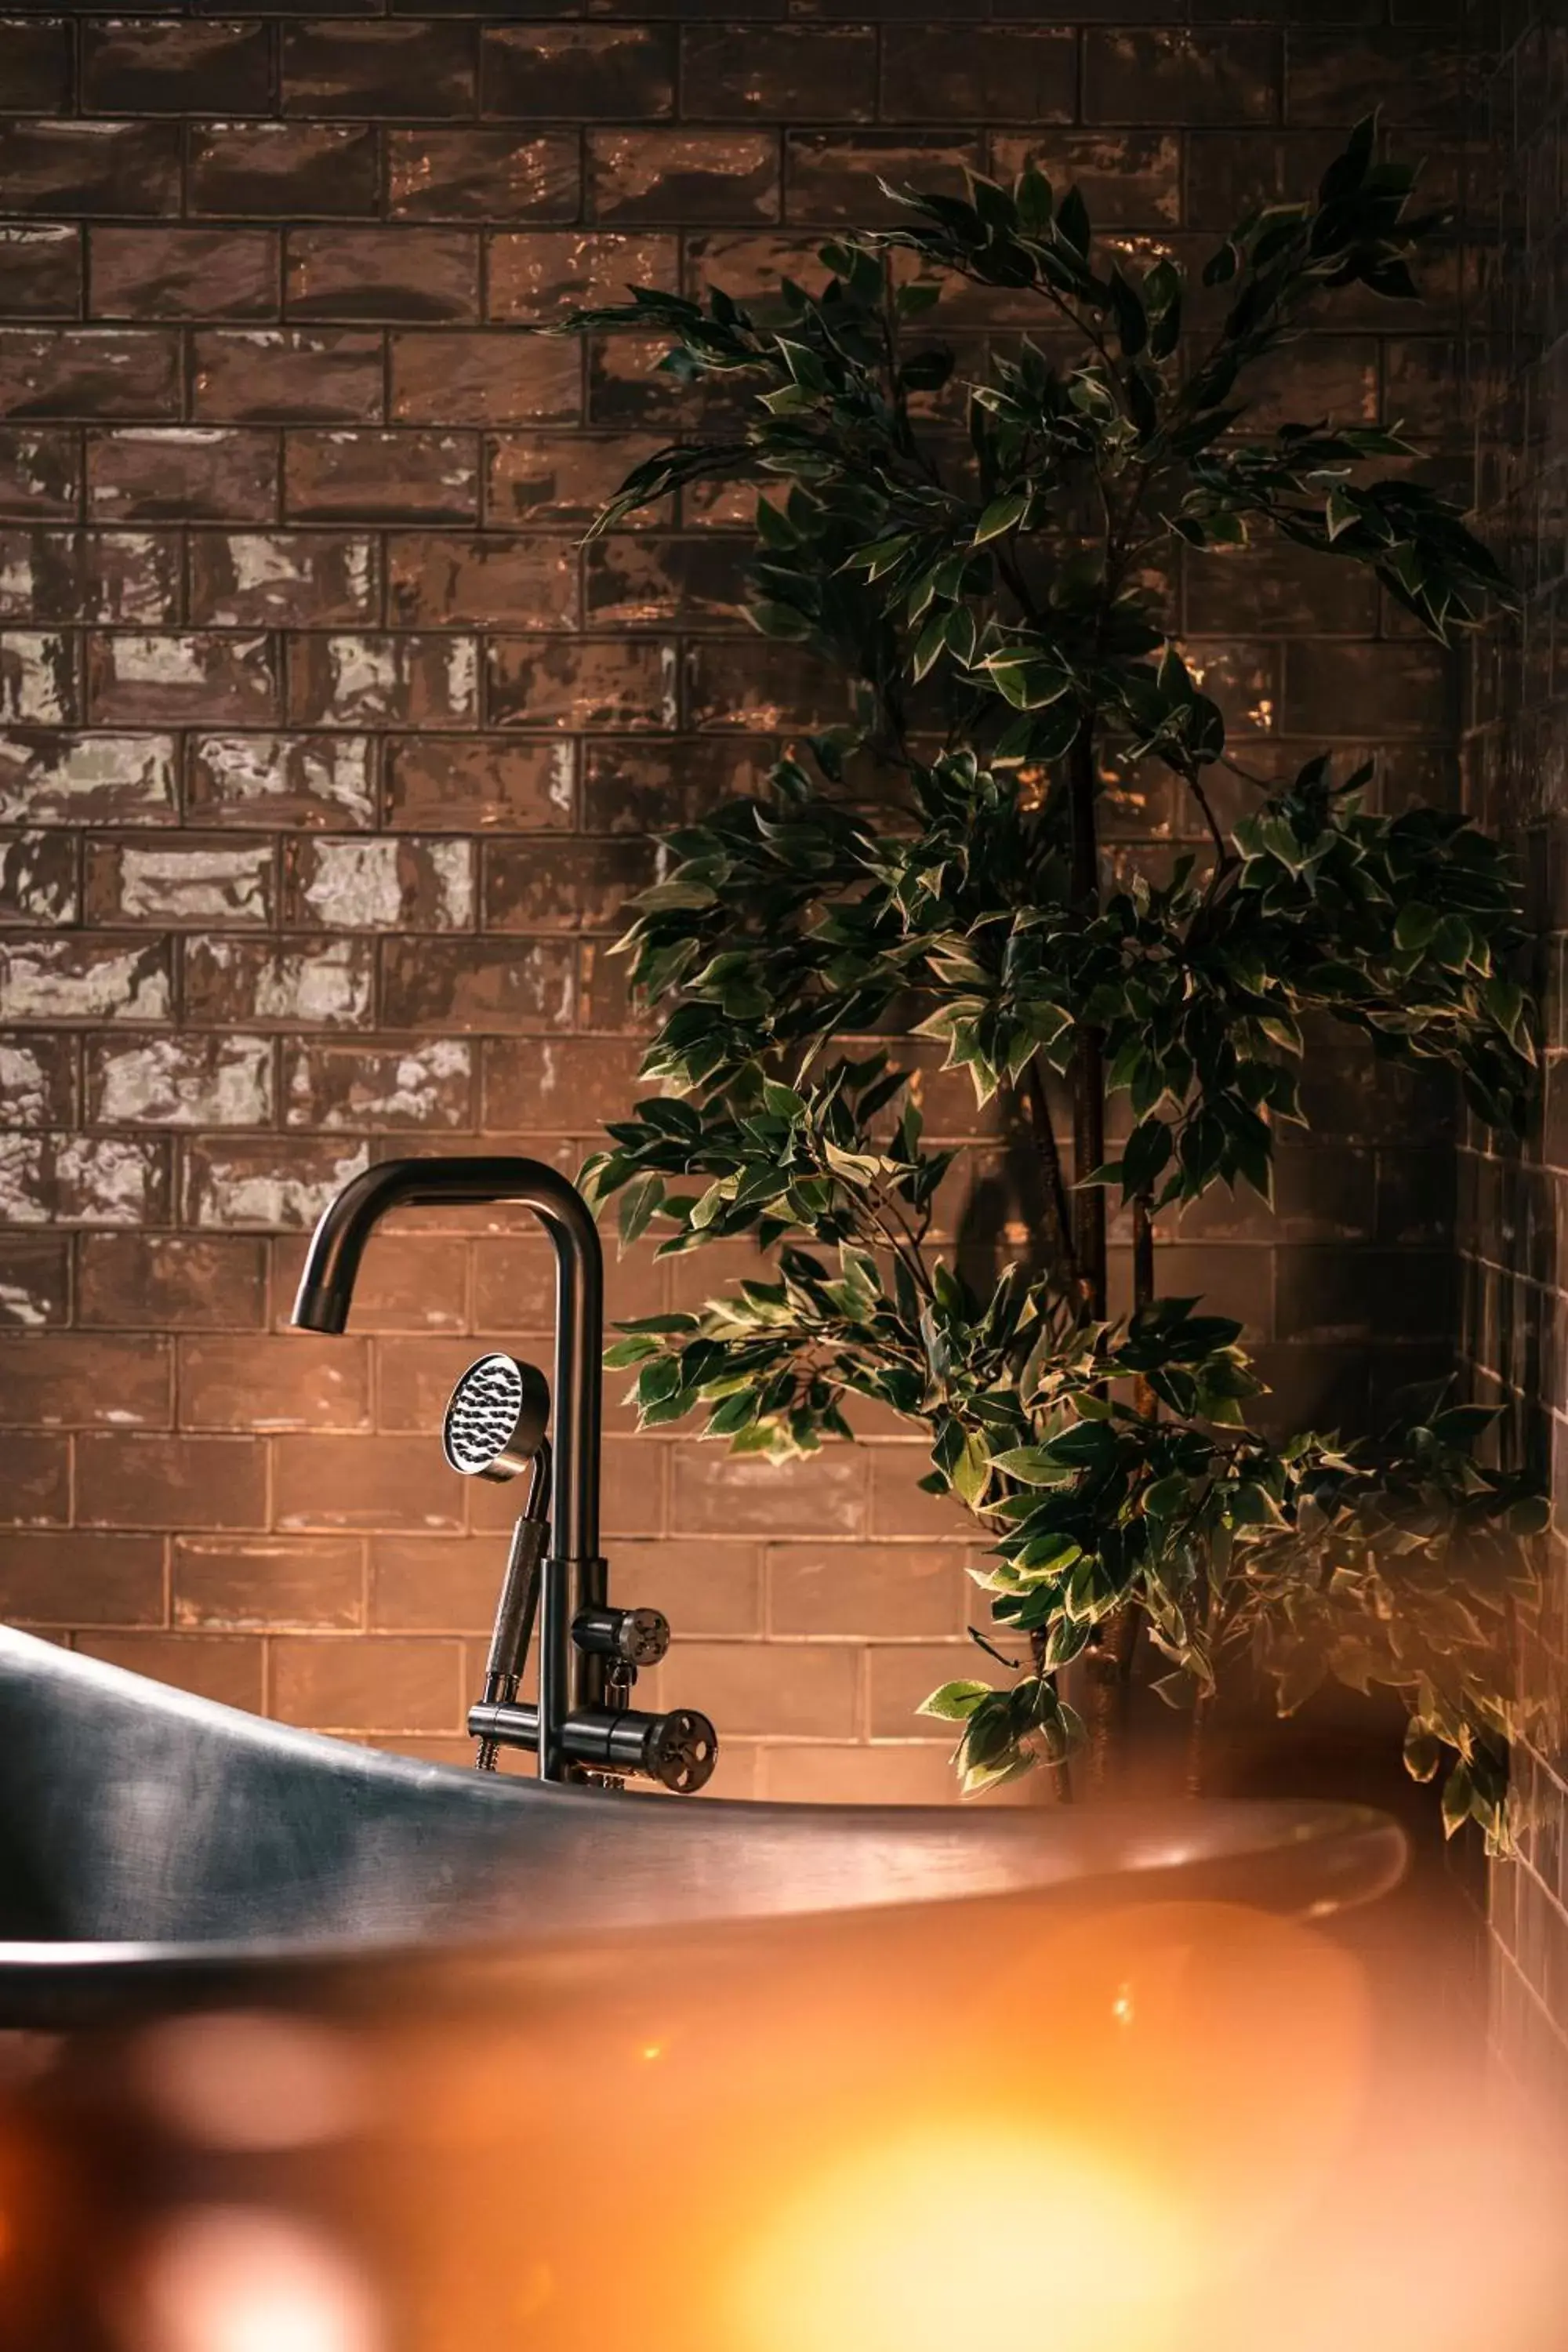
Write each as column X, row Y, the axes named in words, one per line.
column 1045, row 1133
column 1222, row 847
column 1088, row 1066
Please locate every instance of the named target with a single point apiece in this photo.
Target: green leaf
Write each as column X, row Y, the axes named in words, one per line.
column 954, row 1702
column 1002, row 515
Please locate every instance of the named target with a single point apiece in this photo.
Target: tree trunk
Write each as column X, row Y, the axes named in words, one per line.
column 1089, row 1067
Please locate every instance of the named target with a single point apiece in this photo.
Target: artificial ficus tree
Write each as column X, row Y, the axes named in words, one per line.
column 982, row 565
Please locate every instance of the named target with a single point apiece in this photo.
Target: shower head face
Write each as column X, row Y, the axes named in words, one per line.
column 496, row 1419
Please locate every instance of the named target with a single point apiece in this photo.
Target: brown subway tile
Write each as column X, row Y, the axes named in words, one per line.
column 184, row 273
column 1145, row 76
column 866, row 1589
column 36, row 65
column 179, row 1082
column 1129, row 179
column 37, row 679
column 1229, row 173
column 484, row 379
column 666, row 177
column 90, row 167
column 400, row 884
column 744, row 72
column 985, row 73
column 475, row 174
column 1336, row 75
column 122, row 578
column 365, row 1482
column 581, row 682
column 82, row 1579
column 396, row 273
column 282, row 579
column 560, row 480
column 289, row 1381
column 704, row 1589
column 38, row 880
column 387, row 1684
column 536, row 275
column 35, row 1478
column 125, row 1480
column 435, row 1584
column 183, row 474
column 448, row 580
column 40, row 472
column 383, row 680
column 88, row 371
column 621, row 73
column 35, row 1269
column 635, row 786
column 40, row 270
column 168, row 681
column 171, row 1281
column 284, row 171
column 761, row 688
column 84, row 979
column 271, row 1185
column 146, row 67
column 474, row 785
column 230, row 1583
column 1367, row 690
column 904, row 1673
column 39, row 1077
column 340, row 68
column 408, row 476
column 718, row 1493
column 469, row 985
column 365, row 1089
column 833, row 176
column 281, row 780
column 225, row 1668
column 62, row 779
column 893, row 1772
column 80, row 1179
column 288, row 375
column 71, row 1379
column 898, row 1504
column 780, row 1690
column 514, row 1279
column 230, row 981
column 576, row 885
column 562, row 1089
column 644, row 581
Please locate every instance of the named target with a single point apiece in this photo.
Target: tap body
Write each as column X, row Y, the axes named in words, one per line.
column 572, row 1678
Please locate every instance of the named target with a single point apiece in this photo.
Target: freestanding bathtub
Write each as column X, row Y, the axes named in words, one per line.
column 155, row 1846
column 308, row 2049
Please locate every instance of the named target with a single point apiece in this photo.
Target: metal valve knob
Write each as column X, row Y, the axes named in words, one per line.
column 681, row 1751
column 637, row 1637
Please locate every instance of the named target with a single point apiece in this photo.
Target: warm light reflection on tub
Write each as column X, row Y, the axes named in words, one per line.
column 240, row 2278
column 1173, row 2127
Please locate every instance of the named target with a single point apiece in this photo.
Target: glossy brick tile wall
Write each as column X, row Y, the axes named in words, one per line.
column 1516, row 762
column 328, row 755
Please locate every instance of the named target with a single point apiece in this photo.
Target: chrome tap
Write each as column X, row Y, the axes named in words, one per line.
column 496, row 1423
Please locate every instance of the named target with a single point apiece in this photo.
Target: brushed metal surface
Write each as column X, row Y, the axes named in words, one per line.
column 151, row 1841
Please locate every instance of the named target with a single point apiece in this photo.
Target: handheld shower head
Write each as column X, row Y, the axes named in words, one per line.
column 496, row 1419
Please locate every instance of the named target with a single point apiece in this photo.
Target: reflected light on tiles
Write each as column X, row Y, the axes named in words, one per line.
column 250, row 2081
column 236, row 2279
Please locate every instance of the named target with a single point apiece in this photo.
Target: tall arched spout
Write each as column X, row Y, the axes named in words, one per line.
column 574, row 1576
